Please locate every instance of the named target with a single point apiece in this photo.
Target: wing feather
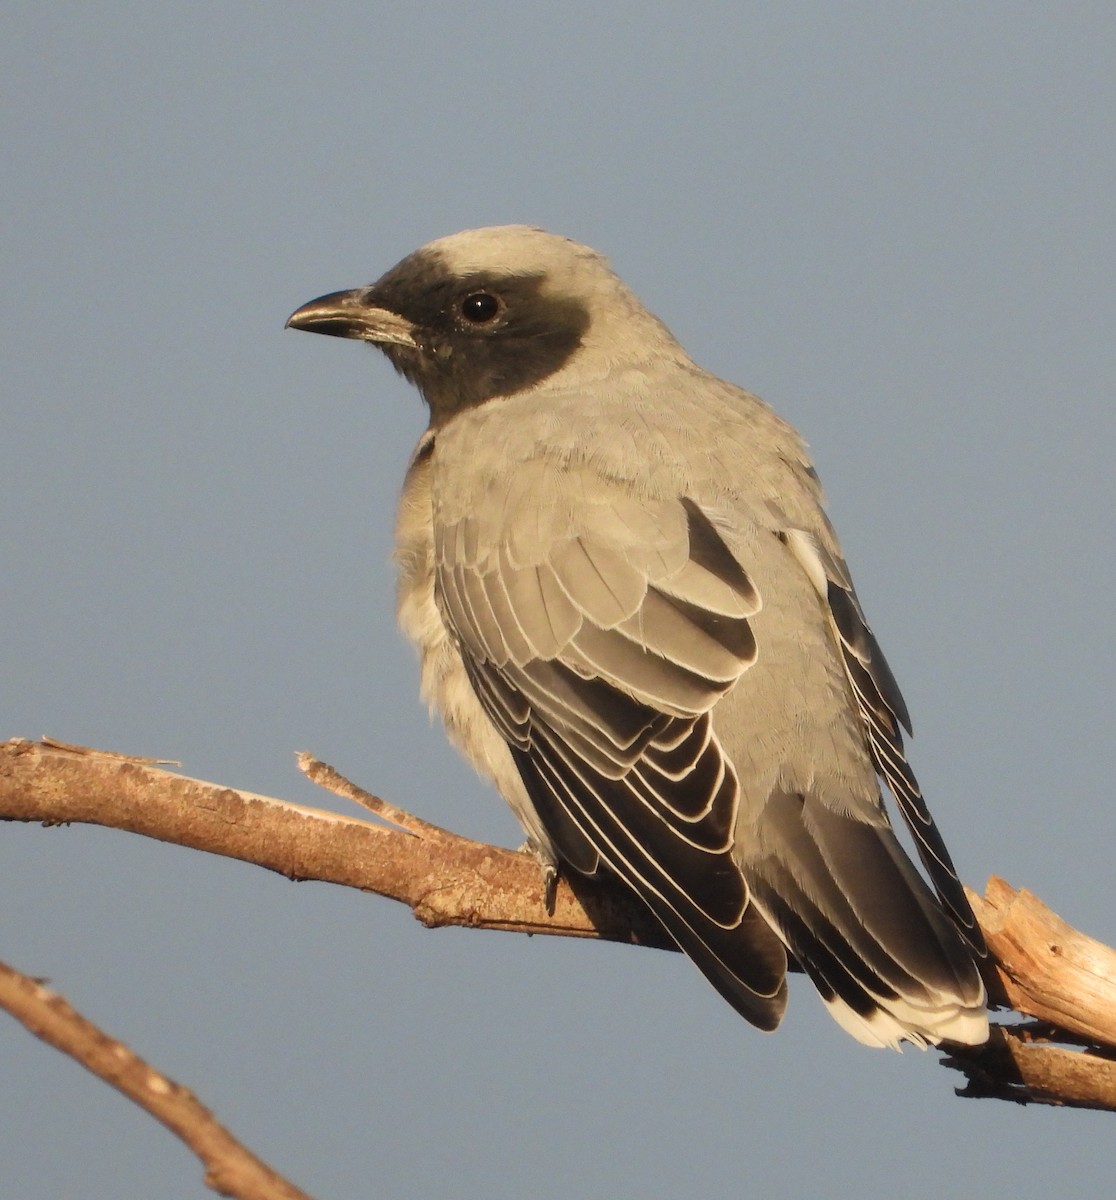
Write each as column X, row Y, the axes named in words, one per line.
column 601, row 582
column 599, row 666
column 882, row 713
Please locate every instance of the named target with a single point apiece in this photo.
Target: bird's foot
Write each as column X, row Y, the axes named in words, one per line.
column 550, row 873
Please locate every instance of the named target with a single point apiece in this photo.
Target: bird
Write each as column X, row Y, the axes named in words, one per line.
column 633, row 616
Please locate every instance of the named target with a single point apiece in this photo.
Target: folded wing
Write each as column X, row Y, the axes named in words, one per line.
column 599, row 657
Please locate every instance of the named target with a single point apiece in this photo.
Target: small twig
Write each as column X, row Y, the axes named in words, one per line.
column 74, row 748
column 231, row 1169
column 332, row 780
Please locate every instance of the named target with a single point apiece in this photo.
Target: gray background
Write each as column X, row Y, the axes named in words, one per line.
column 895, row 222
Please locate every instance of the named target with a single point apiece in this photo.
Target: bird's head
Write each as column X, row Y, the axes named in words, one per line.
column 493, row 312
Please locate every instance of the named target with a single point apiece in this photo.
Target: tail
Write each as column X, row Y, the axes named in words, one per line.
column 865, row 926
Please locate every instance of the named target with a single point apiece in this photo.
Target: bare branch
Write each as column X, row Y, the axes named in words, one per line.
column 445, row 879
column 1039, row 966
column 1046, row 968
column 230, row 1168
column 1020, row 1064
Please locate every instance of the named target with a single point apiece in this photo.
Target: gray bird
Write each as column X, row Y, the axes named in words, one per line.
column 633, row 615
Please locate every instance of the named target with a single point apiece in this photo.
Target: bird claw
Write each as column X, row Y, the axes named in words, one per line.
column 551, row 874
column 550, row 887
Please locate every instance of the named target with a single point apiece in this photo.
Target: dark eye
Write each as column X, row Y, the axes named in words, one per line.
column 480, row 308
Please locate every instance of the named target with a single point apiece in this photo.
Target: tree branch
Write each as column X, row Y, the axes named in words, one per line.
column 445, row 879
column 1040, row 966
column 230, row 1168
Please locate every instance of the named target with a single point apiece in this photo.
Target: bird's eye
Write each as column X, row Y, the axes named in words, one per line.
column 481, row 308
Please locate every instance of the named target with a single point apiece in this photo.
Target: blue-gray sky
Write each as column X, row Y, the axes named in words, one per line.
column 894, row 222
